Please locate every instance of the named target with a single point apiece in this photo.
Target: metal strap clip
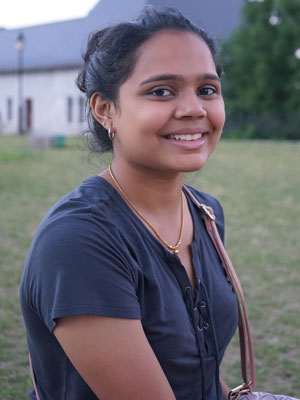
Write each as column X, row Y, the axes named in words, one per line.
column 235, row 393
column 207, row 212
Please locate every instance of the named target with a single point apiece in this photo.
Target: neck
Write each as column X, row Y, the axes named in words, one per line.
column 150, row 191
column 172, row 247
column 157, row 200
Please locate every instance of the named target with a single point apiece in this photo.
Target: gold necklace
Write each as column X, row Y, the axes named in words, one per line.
column 174, row 248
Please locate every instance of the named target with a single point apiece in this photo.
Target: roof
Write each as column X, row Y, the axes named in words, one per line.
column 218, row 17
column 61, row 44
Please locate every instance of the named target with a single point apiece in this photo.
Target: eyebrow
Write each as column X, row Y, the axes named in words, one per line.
column 173, row 77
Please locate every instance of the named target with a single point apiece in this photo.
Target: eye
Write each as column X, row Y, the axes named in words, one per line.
column 207, row 91
column 161, row 92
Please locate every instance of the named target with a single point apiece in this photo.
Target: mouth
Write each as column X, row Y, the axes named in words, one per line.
column 185, row 137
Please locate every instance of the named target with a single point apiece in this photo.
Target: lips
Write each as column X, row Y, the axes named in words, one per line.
column 186, row 137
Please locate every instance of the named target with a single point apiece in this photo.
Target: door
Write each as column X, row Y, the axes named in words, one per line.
column 28, row 115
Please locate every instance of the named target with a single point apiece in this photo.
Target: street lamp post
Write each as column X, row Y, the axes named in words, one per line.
column 19, row 44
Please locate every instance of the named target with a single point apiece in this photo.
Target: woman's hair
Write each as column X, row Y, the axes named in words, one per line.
column 111, row 56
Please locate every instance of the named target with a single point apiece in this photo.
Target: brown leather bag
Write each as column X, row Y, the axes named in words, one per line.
column 244, row 391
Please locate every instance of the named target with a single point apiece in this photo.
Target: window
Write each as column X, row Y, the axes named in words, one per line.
column 9, row 109
column 69, row 109
column 81, row 109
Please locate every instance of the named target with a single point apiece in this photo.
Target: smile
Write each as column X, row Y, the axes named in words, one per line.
column 187, row 137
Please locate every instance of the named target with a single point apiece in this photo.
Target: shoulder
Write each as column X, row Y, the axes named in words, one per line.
column 79, row 230
column 76, row 262
column 77, row 208
column 79, row 223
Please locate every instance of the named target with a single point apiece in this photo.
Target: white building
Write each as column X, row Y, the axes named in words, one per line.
column 51, row 57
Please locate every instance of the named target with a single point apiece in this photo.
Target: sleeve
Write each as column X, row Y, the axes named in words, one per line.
column 79, row 268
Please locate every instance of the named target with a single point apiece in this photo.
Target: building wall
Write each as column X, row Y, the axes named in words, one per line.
column 53, row 104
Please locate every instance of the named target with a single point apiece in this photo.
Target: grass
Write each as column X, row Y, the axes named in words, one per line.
column 258, row 184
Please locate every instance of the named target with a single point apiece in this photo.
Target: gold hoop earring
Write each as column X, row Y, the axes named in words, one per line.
column 111, row 134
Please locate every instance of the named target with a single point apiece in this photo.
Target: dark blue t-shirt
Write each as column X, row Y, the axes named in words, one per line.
column 92, row 255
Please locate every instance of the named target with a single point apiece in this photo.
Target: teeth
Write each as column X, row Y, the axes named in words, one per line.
column 186, row 137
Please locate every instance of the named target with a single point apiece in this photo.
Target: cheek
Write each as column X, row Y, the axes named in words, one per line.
column 160, row 110
column 216, row 115
column 152, row 118
column 220, row 115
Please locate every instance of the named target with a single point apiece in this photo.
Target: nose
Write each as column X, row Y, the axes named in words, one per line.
column 190, row 105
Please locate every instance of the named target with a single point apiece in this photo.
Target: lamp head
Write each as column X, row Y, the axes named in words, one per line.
column 20, row 41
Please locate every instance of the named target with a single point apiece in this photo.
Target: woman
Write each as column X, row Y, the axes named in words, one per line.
column 123, row 294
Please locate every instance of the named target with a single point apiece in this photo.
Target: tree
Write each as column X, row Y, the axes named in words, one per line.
column 262, row 72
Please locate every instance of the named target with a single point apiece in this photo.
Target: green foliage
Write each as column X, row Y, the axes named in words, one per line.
column 262, row 73
column 263, row 125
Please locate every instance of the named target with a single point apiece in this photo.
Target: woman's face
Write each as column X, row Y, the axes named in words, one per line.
column 171, row 111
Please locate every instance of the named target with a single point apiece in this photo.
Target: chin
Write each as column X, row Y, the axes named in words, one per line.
column 192, row 169
column 193, row 165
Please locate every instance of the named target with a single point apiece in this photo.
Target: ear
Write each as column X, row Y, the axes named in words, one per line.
column 102, row 110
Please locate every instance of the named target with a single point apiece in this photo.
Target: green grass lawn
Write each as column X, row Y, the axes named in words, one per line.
column 258, row 184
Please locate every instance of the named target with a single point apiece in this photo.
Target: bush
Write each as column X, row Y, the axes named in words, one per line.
column 261, row 84
column 267, row 125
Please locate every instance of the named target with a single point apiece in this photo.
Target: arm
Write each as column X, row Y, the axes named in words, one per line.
column 225, row 388
column 114, row 357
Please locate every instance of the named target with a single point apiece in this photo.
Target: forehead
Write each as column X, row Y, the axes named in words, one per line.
column 182, row 53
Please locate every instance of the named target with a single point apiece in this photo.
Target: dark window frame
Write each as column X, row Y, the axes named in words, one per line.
column 81, row 109
column 69, row 109
column 9, row 104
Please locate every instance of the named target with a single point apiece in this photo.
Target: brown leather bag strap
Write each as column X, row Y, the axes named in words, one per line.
column 246, row 345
